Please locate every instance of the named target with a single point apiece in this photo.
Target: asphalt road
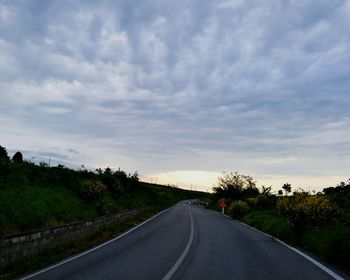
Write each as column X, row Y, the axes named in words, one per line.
column 188, row 242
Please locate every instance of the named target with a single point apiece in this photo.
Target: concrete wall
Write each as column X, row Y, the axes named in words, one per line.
column 26, row 244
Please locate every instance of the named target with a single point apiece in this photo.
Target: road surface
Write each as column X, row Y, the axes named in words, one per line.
column 188, row 242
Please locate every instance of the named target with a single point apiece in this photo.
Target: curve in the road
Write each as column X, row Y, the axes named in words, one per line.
column 189, row 242
column 184, row 253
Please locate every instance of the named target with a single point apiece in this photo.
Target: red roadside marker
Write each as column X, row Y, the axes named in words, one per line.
column 223, row 205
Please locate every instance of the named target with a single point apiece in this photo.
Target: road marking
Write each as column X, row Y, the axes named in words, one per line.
column 321, row 266
column 95, row 248
column 184, row 253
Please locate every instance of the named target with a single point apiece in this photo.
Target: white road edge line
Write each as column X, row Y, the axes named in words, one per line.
column 184, row 253
column 95, row 248
column 321, row 266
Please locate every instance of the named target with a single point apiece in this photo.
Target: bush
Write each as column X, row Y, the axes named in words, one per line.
column 4, row 171
column 252, row 201
column 92, row 189
column 3, row 154
column 17, row 157
column 330, row 242
column 340, row 194
column 271, row 222
column 237, row 209
column 113, row 184
column 303, row 209
column 262, row 201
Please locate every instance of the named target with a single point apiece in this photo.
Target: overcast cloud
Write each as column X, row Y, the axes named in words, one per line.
column 261, row 87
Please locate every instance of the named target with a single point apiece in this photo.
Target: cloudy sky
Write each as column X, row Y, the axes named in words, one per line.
column 180, row 90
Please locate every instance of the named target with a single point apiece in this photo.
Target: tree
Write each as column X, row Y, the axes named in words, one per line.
column 93, row 189
column 3, row 153
column 134, row 180
column 99, row 171
column 121, row 175
column 280, row 192
column 266, row 190
column 113, row 184
column 236, row 186
column 17, row 157
column 107, row 171
column 238, row 208
column 287, row 188
column 135, row 176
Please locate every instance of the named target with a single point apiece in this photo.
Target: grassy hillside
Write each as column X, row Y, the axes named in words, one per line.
column 318, row 222
column 34, row 196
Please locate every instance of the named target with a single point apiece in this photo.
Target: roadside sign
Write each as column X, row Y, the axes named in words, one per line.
column 223, row 205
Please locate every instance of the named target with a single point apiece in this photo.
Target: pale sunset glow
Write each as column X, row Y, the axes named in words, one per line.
column 189, row 179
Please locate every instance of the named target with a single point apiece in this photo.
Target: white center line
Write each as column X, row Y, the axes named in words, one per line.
column 93, row 249
column 184, row 253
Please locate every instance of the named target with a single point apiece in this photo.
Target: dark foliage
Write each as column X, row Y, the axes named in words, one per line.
column 237, row 209
column 3, row 154
column 33, row 196
column 287, row 188
column 318, row 222
column 340, row 194
column 17, row 157
column 234, row 186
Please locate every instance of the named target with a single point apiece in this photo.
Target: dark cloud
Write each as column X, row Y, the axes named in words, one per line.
column 195, row 81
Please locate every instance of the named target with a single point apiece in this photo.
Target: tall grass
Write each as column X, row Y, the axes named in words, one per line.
column 34, row 196
column 31, row 207
column 270, row 221
column 331, row 243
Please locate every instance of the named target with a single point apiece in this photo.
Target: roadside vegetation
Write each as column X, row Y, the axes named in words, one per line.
column 318, row 222
column 36, row 196
column 27, row 265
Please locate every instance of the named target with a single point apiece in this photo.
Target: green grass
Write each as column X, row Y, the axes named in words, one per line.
column 38, row 196
column 33, row 196
column 31, row 207
column 329, row 242
column 271, row 222
column 35, row 206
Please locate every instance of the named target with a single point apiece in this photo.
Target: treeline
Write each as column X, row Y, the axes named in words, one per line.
column 34, row 196
column 89, row 185
column 319, row 222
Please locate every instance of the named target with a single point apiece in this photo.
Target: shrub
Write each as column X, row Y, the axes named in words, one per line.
column 17, row 157
column 113, row 184
column 266, row 201
column 3, row 154
column 271, row 222
column 262, row 201
column 329, row 242
column 92, row 189
column 133, row 180
column 4, row 171
column 237, row 209
column 303, row 209
column 251, row 201
column 340, row 194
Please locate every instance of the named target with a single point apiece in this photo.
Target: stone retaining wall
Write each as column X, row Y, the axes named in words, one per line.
column 26, row 244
